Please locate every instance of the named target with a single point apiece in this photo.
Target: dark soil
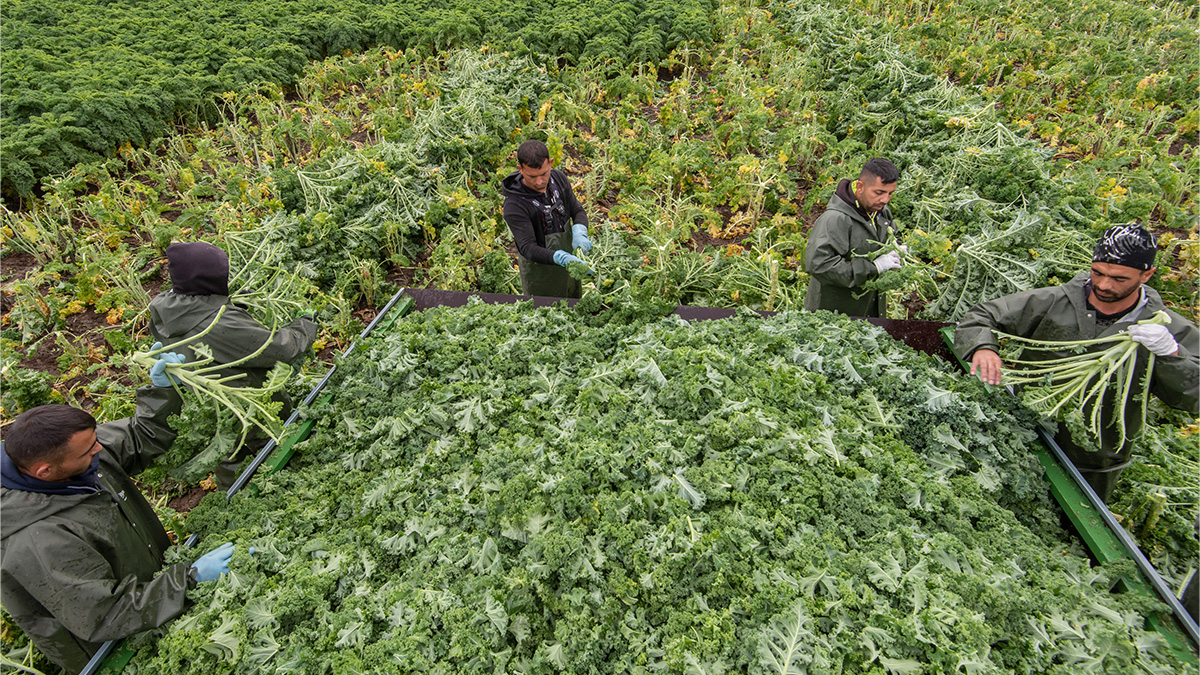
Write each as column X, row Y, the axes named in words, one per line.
column 405, row 277
column 360, row 138
column 17, row 265
column 702, row 238
column 86, row 322
column 913, row 305
column 44, row 357
column 188, row 501
column 1179, row 144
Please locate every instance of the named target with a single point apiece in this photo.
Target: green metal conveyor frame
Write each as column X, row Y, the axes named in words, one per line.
column 1103, row 536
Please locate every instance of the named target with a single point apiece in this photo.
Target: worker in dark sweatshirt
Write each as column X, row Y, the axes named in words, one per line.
column 547, row 222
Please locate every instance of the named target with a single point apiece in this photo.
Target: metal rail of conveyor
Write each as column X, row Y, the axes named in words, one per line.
column 1104, row 537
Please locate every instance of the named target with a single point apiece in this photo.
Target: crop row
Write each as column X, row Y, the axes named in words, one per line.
column 84, row 77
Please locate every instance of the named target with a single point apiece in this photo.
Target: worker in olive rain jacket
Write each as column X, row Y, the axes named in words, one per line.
column 838, row 255
column 199, row 289
column 1111, row 298
column 547, row 223
column 81, row 550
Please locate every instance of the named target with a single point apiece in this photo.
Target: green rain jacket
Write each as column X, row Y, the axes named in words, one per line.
column 1061, row 313
column 834, row 273
column 174, row 316
column 78, row 570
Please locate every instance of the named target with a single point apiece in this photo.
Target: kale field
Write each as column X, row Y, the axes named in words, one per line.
column 498, row 515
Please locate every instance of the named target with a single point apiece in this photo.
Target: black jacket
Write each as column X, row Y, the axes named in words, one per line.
column 525, row 213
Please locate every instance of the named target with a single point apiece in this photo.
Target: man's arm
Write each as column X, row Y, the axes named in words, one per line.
column 1177, row 378
column 76, row 584
column 135, row 441
column 829, row 256
column 523, row 235
column 974, row 336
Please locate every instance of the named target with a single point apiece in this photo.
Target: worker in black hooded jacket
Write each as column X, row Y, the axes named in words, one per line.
column 199, row 289
column 547, row 223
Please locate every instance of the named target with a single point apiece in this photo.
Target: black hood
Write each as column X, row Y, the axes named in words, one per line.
column 513, row 186
column 198, row 268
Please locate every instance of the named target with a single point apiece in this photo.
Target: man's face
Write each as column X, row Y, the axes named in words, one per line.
column 536, row 179
column 1114, row 283
column 873, row 194
column 75, row 459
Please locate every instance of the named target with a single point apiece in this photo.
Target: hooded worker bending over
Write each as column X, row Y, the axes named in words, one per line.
column 1111, row 298
column 547, row 223
column 199, row 289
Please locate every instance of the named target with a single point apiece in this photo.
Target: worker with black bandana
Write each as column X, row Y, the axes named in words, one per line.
column 1111, row 297
column 547, row 222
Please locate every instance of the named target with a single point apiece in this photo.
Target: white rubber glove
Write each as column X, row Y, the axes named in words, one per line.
column 1156, row 338
column 887, row 261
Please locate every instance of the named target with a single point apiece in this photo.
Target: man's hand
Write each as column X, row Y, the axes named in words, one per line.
column 579, row 238
column 562, row 258
column 211, row 565
column 158, row 372
column 888, row 261
column 1156, row 338
column 986, row 363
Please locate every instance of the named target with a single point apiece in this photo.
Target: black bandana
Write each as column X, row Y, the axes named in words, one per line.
column 1127, row 245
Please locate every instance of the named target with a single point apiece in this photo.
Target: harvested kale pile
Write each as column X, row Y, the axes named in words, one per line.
column 502, row 489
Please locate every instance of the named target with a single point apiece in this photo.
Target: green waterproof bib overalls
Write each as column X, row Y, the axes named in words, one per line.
column 549, row 280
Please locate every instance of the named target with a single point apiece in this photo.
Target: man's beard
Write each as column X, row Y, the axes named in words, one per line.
column 1105, row 296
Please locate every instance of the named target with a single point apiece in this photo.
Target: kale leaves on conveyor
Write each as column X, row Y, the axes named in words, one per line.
column 502, row 489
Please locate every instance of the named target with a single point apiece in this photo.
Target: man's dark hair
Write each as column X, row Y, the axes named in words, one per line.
column 41, row 434
column 884, row 170
column 533, row 154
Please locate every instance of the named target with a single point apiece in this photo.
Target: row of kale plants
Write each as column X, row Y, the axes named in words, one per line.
column 83, row 78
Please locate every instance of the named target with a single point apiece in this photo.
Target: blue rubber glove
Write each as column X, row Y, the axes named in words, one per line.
column 562, row 259
column 579, row 238
column 211, row 565
column 158, row 372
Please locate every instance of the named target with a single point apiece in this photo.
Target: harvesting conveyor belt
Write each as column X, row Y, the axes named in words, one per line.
column 1110, row 541
column 1098, row 529
column 1103, row 535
